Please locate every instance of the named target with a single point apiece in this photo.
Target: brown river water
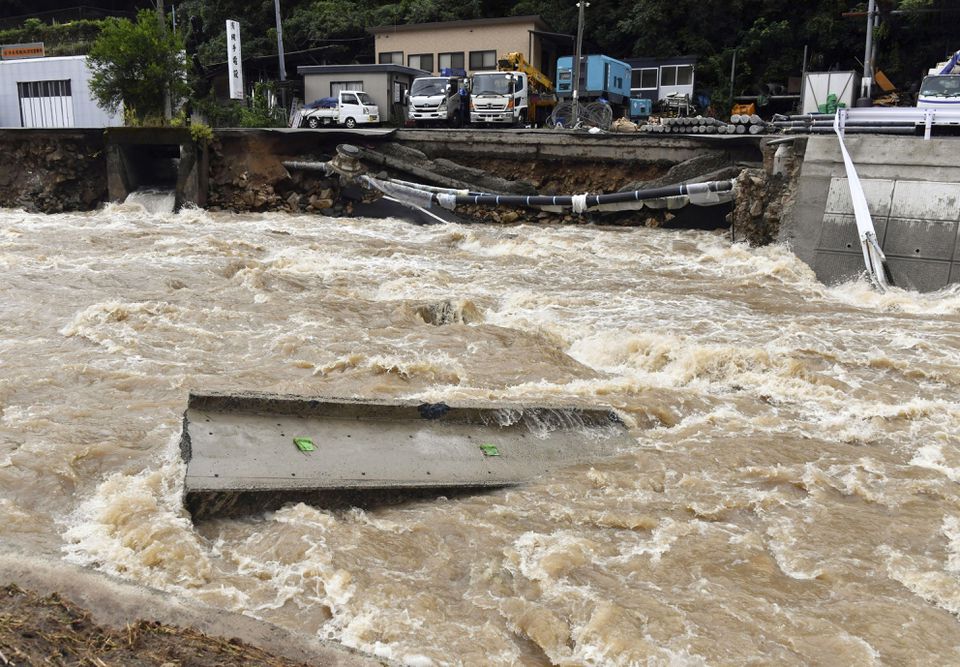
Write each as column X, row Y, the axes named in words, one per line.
column 791, row 497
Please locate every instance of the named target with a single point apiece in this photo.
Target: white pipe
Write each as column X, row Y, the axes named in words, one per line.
column 873, row 257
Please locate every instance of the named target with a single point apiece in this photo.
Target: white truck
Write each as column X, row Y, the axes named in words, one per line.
column 499, row 98
column 435, row 100
column 941, row 87
column 349, row 108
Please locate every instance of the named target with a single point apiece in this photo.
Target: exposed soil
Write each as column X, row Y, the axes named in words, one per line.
column 52, row 173
column 246, row 174
column 50, row 630
column 559, row 177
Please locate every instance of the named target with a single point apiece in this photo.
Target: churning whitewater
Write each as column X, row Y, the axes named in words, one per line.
column 791, row 498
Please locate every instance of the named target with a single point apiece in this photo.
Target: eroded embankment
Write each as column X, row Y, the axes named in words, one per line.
column 52, row 171
column 65, row 170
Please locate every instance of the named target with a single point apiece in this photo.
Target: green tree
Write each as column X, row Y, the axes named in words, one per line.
column 137, row 63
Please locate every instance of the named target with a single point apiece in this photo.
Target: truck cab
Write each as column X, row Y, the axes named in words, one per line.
column 940, row 92
column 499, row 98
column 435, row 100
column 940, row 89
column 349, row 108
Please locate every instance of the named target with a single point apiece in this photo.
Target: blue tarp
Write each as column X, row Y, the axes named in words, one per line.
column 950, row 65
column 322, row 103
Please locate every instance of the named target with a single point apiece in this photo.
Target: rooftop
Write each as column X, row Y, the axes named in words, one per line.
column 355, row 69
column 538, row 22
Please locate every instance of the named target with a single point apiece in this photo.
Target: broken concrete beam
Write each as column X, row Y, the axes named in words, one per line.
column 255, row 450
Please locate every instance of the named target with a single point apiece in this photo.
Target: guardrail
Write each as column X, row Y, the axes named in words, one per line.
column 880, row 120
column 899, row 115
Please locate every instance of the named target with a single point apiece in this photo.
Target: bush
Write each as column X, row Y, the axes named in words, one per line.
column 254, row 111
column 137, row 64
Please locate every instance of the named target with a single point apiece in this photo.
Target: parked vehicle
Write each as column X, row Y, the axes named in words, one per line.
column 436, row 100
column 516, row 94
column 349, row 108
column 941, row 87
column 499, row 98
column 541, row 98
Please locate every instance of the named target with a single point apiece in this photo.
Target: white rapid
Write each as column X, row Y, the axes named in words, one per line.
column 792, row 497
column 153, row 200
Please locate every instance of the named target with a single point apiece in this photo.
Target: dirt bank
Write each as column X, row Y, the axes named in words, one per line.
column 52, row 172
column 55, row 613
column 556, row 177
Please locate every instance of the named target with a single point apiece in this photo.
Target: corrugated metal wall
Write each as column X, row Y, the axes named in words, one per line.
column 26, row 102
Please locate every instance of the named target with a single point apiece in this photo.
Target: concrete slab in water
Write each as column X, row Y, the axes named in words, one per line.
column 243, row 445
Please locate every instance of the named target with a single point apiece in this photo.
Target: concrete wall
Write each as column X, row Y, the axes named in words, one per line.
column 80, row 107
column 436, row 38
column 533, row 145
column 913, row 192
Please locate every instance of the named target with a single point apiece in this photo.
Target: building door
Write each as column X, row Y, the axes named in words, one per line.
column 45, row 103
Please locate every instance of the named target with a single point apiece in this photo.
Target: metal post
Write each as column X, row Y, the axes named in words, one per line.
column 733, row 74
column 867, row 82
column 576, row 65
column 803, row 79
column 283, row 67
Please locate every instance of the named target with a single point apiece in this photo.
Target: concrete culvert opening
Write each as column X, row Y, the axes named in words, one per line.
column 158, row 160
column 153, row 166
column 449, row 312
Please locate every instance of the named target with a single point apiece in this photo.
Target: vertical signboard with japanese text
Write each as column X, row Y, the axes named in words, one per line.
column 234, row 60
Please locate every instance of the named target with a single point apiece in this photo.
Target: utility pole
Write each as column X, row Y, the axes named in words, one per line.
column 576, row 65
column 283, row 67
column 167, row 104
column 867, row 82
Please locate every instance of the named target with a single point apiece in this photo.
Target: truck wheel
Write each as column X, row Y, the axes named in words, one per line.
column 350, row 123
column 313, row 123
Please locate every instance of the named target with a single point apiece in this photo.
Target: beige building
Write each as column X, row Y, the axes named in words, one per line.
column 470, row 45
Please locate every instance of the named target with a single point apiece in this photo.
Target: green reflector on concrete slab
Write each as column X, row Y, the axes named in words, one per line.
column 304, row 444
column 239, row 458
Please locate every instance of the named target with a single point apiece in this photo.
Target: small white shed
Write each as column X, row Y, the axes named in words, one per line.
column 386, row 84
column 50, row 92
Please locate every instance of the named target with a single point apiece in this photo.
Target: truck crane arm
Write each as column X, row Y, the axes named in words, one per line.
column 516, row 62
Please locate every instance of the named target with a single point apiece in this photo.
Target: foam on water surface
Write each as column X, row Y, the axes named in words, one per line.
column 791, row 497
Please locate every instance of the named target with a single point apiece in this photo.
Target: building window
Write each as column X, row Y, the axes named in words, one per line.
column 676, row 75
column 45, row 103
column 337, row 86
column 450, row 60
column 391, row 58
column 480, row 60
column 422, row 61
column 644, row 78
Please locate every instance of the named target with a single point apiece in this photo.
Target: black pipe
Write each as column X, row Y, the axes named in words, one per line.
column 595, row 200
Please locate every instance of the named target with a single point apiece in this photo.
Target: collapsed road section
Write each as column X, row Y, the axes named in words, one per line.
column 250, row 452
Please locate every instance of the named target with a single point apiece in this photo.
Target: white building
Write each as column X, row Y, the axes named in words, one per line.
column 50, row 92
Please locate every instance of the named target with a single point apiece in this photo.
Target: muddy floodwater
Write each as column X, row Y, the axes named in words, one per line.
column 791, row 496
